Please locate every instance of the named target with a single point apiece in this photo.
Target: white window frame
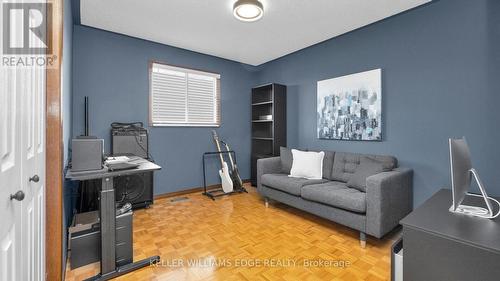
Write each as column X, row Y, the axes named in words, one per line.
column 155, row 122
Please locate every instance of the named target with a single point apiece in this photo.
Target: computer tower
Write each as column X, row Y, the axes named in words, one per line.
column 86, row 154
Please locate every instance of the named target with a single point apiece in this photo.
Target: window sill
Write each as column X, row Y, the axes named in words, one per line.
column 186, row 125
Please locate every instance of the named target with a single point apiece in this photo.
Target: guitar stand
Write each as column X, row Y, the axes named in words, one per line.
column 219, row 192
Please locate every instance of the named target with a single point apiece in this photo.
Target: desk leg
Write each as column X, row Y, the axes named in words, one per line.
column 108, row 235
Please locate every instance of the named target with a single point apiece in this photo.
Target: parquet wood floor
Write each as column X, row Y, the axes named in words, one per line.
column 238, row 238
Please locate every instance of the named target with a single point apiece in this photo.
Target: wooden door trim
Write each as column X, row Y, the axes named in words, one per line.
column 54, row 154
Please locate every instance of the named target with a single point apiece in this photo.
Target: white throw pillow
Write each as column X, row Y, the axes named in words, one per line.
column 307, row 164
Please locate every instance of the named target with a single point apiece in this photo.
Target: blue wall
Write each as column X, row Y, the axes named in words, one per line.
column 494, row 45
column 112, row 70
column 438, row 81
column 440, row 63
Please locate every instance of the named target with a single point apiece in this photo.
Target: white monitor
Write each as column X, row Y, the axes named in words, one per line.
column 461, row 176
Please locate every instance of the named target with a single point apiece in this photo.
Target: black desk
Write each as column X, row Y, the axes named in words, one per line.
column 440, row 245
column 108, row 216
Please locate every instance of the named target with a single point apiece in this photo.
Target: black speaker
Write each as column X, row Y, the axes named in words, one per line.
column 136, row 189
column 132, row 140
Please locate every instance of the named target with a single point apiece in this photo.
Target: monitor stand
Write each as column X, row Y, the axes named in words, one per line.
column 476, row 210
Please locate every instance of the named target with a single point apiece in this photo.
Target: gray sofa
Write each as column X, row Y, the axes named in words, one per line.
column 379, row 199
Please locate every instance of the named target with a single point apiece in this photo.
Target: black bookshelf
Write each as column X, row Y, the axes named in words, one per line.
column 268, row 123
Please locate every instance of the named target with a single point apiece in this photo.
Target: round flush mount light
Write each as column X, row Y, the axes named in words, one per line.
column 248, row 10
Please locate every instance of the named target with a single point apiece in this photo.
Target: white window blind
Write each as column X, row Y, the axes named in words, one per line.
column 184, row 97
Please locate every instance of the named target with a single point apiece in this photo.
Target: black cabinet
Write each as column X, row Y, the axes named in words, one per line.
column 268, row 123
column 440, row 245
column 85, row 239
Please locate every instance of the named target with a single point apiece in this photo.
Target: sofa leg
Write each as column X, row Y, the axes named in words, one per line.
column 266, row 202
column 362, row 239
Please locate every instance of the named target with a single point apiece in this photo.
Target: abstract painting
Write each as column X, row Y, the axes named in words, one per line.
column 350, row 107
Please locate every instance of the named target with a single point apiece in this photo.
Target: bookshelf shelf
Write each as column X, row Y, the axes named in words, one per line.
column 263, row 103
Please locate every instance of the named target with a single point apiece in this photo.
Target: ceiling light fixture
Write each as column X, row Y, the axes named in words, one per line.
column 248, row 10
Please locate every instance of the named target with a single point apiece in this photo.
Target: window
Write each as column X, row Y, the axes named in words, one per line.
column 183, row 97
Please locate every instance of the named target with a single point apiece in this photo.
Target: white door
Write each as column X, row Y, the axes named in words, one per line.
column 22, row 171
column 32, row 91
column 10, row 178
column 10, row 174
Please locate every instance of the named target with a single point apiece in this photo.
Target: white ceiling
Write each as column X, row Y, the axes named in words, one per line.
column 208, row 26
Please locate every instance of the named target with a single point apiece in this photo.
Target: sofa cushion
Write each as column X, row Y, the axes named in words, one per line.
column 287, row 184
column 327, row 163
column 336, row 194
column 286, row 158
column 368, row 167
column 307, row 164
column 345, row 164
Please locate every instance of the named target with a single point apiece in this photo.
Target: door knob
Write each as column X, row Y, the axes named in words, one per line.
column 19, row 196
column 35, row 178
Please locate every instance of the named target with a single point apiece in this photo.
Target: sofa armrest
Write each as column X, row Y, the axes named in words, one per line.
column 270, row 165
column 388, row 200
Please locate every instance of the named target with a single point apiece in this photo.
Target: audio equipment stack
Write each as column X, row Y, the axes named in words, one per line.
column 132, row 139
